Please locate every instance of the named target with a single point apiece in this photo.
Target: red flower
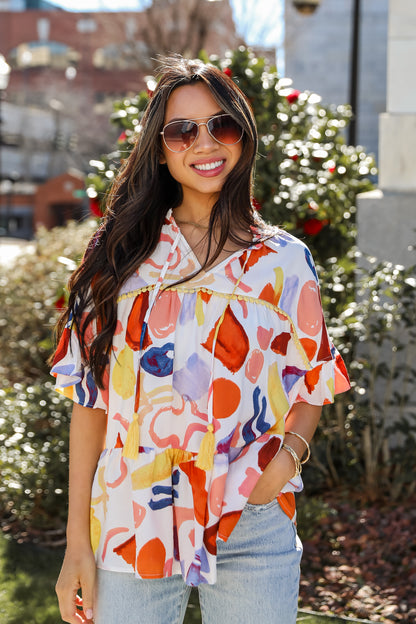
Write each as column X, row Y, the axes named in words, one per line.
column 256, row 204
column 313, row 226
column 122, row 137
column 149, row 92
column 227, row 71
column 294, row 157
column 293, row 96
column 332, row 169
column 95, row 207
column 60, row 303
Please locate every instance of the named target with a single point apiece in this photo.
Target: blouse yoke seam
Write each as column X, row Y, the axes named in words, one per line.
column 235, row 297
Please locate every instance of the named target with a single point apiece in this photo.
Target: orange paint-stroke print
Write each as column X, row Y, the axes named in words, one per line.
column 127, row 550
column 309, row 346
column 280, row 343
column 182, row 514
column 216, row 494
column 309, row 309
column 267, row 294
column 135, row 322
column 264, row 336
column 232, row 344
column 164, row 316
column 342, row 383
column 312, row 378
column 227, row 524
column 210, row 539
column 324, row 353
column 139, row 513
column 287, row 503
column 255, row 255
column 197, row 480
column 123, row 475
column 226, row 397
column 254, row 365
column 110, row 534
column 151, row 559
column 249, row 482
column 268, row 451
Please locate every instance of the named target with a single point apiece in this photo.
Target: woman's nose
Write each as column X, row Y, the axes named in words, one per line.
column 204, row 140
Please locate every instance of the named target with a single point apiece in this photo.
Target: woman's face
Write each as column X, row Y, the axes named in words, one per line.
column 202, row 169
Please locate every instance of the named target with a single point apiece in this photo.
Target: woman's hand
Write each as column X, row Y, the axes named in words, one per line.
column 275, row 476
column 77, row 572
column 302, row 418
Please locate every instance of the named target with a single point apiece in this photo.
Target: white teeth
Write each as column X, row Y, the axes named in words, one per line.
column 209, row 166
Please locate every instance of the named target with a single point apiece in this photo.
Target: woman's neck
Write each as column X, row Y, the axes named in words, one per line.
column 194, row 210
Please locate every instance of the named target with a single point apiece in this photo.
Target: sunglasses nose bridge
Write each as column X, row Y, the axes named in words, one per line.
column 208, row 131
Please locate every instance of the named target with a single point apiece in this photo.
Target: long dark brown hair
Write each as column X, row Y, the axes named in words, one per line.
column 138, row 201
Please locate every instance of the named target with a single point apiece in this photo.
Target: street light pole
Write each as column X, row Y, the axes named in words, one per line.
column 4, row 82
column 308, row 7
column 354, row 71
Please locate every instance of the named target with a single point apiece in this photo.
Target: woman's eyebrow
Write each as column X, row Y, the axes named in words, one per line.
column 195, row 118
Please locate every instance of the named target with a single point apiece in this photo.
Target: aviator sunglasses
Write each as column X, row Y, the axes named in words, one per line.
column 179, row 136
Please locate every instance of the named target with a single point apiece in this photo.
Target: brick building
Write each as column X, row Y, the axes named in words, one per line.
column 68, row 67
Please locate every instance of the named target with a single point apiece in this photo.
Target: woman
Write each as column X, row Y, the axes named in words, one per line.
column 196, row 354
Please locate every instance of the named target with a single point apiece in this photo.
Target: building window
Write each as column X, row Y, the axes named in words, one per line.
column 43, row 54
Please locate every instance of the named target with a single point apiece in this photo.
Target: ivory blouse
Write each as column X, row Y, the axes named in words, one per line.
column 229, row 351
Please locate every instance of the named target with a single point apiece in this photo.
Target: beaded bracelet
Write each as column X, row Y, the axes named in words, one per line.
column 296, row 459
column 308, row 448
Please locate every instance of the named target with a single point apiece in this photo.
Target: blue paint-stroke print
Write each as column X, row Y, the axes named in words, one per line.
column 291, row 374
column 188, row 308
column 261, row 425
column 192, row 381
column 200, row 564
column 167, row 490
column 310, row 263
column 157, row 362
column 289, row 294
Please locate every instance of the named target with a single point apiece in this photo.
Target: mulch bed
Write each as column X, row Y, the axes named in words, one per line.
column 361, row 562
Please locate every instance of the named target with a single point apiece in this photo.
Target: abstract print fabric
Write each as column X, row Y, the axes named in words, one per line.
column 232, row 349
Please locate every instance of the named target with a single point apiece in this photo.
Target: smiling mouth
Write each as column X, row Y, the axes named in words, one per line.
column 209, row 166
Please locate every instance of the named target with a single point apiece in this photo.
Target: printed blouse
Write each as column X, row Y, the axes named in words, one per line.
column 201, row 377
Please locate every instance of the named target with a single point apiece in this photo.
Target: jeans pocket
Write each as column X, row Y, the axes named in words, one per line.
column 261, row 507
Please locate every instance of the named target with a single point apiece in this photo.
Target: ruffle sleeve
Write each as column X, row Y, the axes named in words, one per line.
column 316, row 371
column 73, row 376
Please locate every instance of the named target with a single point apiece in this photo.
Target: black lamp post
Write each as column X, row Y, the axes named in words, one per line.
column 4, row 82
column 307, row 7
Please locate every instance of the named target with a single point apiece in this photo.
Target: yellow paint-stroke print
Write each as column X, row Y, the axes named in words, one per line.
column 67, row 392
column 95, row 531
column 103, row 498
column 124, row 379
column 278, row 285
column 330, row 384
column 159, row 469
column 277, row 399
column 199, row 309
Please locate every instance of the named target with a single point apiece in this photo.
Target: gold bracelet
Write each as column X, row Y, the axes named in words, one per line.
column 296, row 459
column 308, row 448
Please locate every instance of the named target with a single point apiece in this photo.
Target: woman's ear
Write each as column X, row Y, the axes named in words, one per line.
column 162, row 159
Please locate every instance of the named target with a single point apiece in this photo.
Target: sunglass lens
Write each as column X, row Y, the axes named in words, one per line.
column 225, row 129
column 179, row 135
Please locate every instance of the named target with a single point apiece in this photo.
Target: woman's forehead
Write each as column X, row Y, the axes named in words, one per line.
column 193, row 101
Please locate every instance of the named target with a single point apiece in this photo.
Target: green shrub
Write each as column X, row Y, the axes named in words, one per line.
column 30, row 294
column 34, row 437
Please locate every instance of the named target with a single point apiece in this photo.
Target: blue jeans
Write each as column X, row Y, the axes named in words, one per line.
column 258, row 580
